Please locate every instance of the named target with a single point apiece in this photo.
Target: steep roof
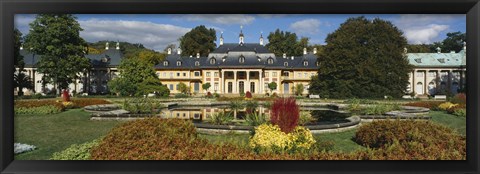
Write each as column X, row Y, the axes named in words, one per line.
column 112, row 57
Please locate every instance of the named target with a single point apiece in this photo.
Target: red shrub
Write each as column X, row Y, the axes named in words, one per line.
column 426, row 104
column 65, row 96
column 248, row 94
column 209, row 94
column 460, row 98
column 285, row 114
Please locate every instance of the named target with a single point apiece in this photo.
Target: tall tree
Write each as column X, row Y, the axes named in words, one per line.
column 453, row 42
column 418, row 48
column 198, row 40
column 20, row 79
column 57, row 38
column 280, row 42
column 363, row 59
column 149, row 56
column 17, row 57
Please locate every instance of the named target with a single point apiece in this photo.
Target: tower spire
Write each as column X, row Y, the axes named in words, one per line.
column 261, row 38
column 241, row 37
column 221, row 38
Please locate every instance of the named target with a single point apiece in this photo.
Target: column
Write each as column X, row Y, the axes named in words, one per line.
column 260, row 86
column 247, row 85
column 234, row 82
column 222, row 82
column 449, row 81
column 413, row 86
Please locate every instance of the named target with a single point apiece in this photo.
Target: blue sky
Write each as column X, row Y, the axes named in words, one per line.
column 157, row 31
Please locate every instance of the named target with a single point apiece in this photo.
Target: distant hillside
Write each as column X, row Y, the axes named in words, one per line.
column 129, row 50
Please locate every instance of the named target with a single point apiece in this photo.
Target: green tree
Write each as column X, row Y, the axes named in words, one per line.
column 198, row 40
column 453, row 42
column 20, row 79
column 364, row 59
column 57, row 38
column 152, row 85
column 280, row 42
column 206, row 86
column 299, row 88
column 122, row 87
column 272, row 86
column 418, row 48
column 183, row 88
column 17, row 57
column 149, row 56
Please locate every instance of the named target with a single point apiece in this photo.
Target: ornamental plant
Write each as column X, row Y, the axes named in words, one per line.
column 447, row 105
column 248, row 95
column 270, row 139
column 285, row 113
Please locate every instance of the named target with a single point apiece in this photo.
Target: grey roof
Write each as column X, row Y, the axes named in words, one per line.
column 229, row 55
column 112, row 56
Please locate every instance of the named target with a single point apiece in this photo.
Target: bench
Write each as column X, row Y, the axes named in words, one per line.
column 440, row 97
column 314, row 96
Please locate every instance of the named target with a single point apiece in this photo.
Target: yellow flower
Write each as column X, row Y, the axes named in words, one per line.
column 271, row 138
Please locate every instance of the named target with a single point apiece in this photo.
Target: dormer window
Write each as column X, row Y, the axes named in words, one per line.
column 285, row 64
column 305, row 63
column 165, row 63
column 179, row 63
column 212, row 61
column 241, row 59
column 197, row 63
column 270, row 61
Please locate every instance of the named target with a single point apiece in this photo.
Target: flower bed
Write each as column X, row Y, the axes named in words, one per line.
column 19, row 148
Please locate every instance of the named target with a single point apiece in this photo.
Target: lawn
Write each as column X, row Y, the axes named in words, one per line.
column 56, row 132
column 457, row 123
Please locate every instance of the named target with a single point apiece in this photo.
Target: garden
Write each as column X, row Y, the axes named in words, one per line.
column 63, row 130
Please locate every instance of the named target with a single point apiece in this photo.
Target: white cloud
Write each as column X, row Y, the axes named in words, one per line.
column 224, row 19
column 424, row 34
column 307, row 26
column 151, row 35
column 425, row 28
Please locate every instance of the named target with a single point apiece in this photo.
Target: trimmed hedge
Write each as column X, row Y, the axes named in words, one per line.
column 82, row 102
column 43, row 110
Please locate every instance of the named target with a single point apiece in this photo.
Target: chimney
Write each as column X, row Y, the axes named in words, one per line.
column 106, row 46
column 117, row 46
column 304, row 50
column 179, row 51
column 314, row 50
column 284, row 55
column 198, row 55
column 439, row 50
column 169, row 51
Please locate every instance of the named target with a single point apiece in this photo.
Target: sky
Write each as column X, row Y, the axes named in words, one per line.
column 157, row 31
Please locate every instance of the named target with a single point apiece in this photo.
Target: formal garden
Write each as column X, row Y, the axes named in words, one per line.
column 65, row 130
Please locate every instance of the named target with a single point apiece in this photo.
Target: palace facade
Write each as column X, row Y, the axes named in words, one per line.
column 234, row 68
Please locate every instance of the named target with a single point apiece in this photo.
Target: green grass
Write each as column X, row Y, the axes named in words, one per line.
column 459, row 124
column 56, row 132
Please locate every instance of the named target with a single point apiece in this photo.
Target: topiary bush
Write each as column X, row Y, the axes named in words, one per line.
column 248, row 95
column 76, row 151
column 285, row 113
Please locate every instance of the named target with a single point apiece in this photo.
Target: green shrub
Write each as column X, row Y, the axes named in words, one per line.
column 42, row 110
column 380, row 109
column 255, row 119
column 216, row 95
column 76, row 151
column 433, row 105
column 270, row 139
column 181, row 95
column 306, row 118
column 236, row 105
column 460, row 112
column 251, row 104
column 221, row 118
column 142, row 105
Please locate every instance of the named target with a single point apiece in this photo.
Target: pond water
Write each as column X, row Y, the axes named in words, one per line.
column 203, row 113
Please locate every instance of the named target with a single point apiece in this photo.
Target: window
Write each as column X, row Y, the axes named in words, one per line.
column 305, row 75
column 252, row 74
column 252, row 87
column 208, row 74
column 177, row 86
column 270, row 61
column 305, row 63
column 158, row 74
column 178, row 74
column 266, row 74
column 215, row 86
column 285, row 73
column 179, row 63
column 299, row 74
column 184, row 74
column 241, row 59
column 171, row 87
column 230, row 87
column 164, row 74
column 171, row 74
column 285, row 64
column 274, row 74
column 212, row 61
column 197, row 63
column 215, row 74
column 196, row 73
column 165, row 63
column 312, row 74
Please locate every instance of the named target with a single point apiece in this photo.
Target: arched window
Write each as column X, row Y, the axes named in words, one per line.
column 179, row 63
column 270, row 61
column 197, row 63
column 165, row 63
column 285, row 64
column 431, row 88
column 305, row 63
column 241, row 59
column 212, row 61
